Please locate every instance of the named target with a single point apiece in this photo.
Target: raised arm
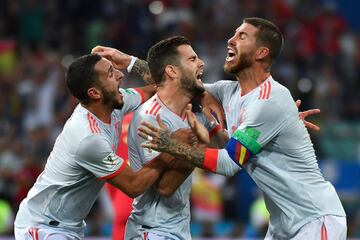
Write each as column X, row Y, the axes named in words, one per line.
column 123, row 61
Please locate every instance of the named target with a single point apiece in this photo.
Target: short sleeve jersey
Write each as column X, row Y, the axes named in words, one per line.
column 82, row 158
column 168, row 215
column 270, row 141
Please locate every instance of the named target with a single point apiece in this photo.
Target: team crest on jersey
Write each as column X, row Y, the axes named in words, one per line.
column 111, row 159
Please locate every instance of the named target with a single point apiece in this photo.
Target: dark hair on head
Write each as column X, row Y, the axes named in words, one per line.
column 268, row 34
column 164, row 53
column 81, row 76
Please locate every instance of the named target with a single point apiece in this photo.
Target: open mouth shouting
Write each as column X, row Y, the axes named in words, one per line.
column 230, row 55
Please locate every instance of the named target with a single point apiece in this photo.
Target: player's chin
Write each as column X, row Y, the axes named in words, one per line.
column 230, row 68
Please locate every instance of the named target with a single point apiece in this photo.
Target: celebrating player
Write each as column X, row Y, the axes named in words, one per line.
column 83, row 157
column 267, row 139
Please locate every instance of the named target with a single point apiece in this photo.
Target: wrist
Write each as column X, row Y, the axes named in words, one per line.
column 131, row 64
column 210, row 159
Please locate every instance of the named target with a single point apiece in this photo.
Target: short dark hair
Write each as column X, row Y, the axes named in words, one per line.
column 164, row 53
column 268, row 34
column 81, row 76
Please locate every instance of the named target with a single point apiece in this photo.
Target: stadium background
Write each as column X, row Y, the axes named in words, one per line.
column 319, row 64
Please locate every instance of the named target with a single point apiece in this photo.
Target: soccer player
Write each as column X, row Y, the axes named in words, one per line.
column 83, row 157
column 163, row 211
column 267, row 139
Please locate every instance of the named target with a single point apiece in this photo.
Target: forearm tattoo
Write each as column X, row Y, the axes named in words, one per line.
column 141, row 68
column 194, row 155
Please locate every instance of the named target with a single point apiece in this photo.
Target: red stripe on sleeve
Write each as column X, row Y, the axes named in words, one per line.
column 269, row 90
column 142, row 94
column 215, row 130
column 261, row 91
column 210, row 159
column 114, row 173
column 265, row 91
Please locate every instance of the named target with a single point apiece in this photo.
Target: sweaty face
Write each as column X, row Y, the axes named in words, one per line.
column 191, row 68
column 241, row 49
column 109, row 84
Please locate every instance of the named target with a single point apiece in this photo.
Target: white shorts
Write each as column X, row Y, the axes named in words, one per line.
column 325, row 228
column 44, row 233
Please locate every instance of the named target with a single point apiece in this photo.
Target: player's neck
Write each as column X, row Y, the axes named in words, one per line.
column 103, row 113
column 251, row 78
column 174, row 98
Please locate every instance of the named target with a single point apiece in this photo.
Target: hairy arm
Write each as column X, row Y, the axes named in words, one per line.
column 163, row 142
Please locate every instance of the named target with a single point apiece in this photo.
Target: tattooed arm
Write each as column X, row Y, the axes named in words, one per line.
column 162, row 142
column 141, row 68
column 214, row 160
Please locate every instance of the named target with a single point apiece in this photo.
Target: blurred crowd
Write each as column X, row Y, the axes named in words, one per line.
column 320, row 64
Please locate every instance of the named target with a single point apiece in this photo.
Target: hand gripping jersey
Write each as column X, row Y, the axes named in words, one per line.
column 169, row 216
column 272, row 144
column 82, row 158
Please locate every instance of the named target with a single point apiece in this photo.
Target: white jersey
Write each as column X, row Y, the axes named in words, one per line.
column 168, row 216
column 270, row 141
column 82, row 158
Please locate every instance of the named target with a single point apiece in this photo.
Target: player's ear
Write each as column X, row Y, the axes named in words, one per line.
column 171, row 71
column 261, row 53
column 94, row 93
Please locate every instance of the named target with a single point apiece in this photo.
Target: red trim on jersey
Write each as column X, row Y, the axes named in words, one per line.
column 215, row 130
column 142, row 94
column 157, row 110
column 210, row 159
column 261, row 91
column 265, row 90
column 30, row 231
column 147, row 110
column 114, row 173
column 324, row 235
column 94, row 126
column 34, row 233
column 269, row 90
column 146, row 235
column 153, row 108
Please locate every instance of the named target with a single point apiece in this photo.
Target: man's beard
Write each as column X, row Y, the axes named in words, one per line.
column 243, row 62
column 190, row 85
column 110, row 100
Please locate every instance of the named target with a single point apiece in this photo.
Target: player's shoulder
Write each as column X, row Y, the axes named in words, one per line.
column 272, row 99
column 82, row 123
column 272, row 91
column 222, row 84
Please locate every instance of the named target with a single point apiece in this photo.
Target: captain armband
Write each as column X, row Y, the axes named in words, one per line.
column 243, row 145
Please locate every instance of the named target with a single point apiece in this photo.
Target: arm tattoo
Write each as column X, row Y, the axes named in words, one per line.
column 194, row 155
column 141, row 68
